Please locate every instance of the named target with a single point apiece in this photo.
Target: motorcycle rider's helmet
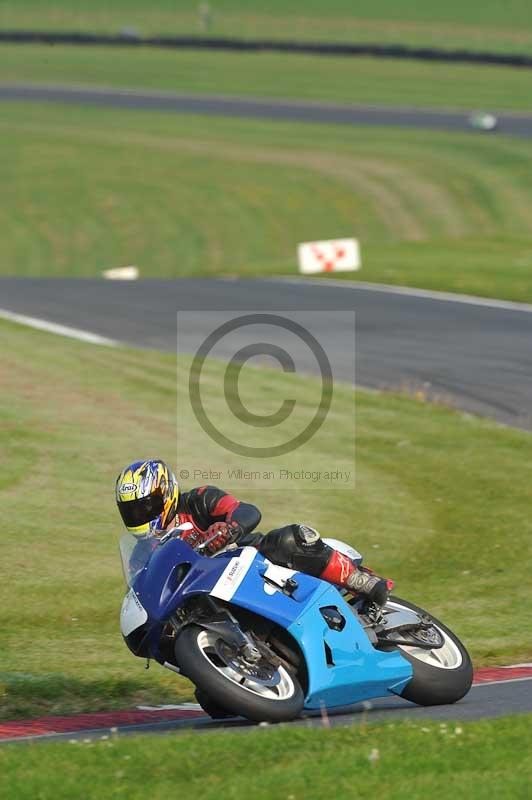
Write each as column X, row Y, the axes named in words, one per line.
column 147, row 493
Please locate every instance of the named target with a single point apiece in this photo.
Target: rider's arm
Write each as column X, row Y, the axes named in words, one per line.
column 245, row 515
column 211, row 505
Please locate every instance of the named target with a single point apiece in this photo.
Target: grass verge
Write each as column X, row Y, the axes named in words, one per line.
column 216, row 196
column 475, row 760
column 439, row 497
column 367, row 81
column 476, row 25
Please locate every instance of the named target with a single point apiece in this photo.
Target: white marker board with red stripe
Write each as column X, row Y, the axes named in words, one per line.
column 332, row 255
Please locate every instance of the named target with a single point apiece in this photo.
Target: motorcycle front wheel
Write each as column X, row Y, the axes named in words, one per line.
column 262, row 692
column 440, row 676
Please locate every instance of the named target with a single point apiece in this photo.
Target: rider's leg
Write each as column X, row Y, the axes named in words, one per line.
column 302, row 548
column 344, row 573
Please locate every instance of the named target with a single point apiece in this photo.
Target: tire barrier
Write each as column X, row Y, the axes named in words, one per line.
column 394, row 51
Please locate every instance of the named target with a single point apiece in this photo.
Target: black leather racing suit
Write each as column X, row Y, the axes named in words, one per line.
column 289, row 546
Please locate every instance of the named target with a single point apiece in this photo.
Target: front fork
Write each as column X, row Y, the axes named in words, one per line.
column 225, row 625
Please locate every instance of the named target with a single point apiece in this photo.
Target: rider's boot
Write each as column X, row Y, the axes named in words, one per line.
column 360, row 580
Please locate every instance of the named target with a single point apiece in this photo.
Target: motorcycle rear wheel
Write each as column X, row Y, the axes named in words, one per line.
column 201, row 659
column 440, row 676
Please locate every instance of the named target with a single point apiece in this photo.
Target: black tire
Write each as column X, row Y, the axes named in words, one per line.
column 432, row 685
column 210, row 707
column 225, row 693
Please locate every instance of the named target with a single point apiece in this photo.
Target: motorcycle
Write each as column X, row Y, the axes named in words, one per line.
column 267, row 643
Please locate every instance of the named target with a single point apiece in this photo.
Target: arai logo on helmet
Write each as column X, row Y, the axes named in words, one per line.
column 127, row 488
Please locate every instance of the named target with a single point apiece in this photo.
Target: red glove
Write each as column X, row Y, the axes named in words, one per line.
column 227, row 532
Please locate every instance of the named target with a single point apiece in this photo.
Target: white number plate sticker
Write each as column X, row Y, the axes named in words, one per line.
column 132, row 614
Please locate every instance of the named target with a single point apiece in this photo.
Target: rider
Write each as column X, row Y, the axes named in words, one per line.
column 149, row 501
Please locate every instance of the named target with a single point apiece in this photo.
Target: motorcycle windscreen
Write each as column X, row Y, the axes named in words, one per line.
column 135, row 552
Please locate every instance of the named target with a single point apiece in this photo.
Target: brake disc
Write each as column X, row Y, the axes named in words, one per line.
column 259, row 672
column 428, row 636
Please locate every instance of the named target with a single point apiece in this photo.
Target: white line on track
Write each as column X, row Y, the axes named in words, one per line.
column 445, row 297
column 61, row 330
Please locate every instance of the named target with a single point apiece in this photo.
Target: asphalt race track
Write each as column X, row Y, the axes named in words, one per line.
column 475, row 357
column 288, row 111
column 483, row 701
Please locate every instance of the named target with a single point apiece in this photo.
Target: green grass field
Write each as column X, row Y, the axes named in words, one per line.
column 489, row 25
column 217, row 196
column 476, row 760
column 442, row 505
column 366, row 81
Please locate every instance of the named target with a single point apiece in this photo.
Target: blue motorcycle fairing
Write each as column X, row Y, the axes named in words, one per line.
column 352, row 670
column 159, row 593
column 377, row 673
column 160, row 597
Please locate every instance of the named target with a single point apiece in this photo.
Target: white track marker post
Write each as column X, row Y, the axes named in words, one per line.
column 333, row 255
column 122, row 274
